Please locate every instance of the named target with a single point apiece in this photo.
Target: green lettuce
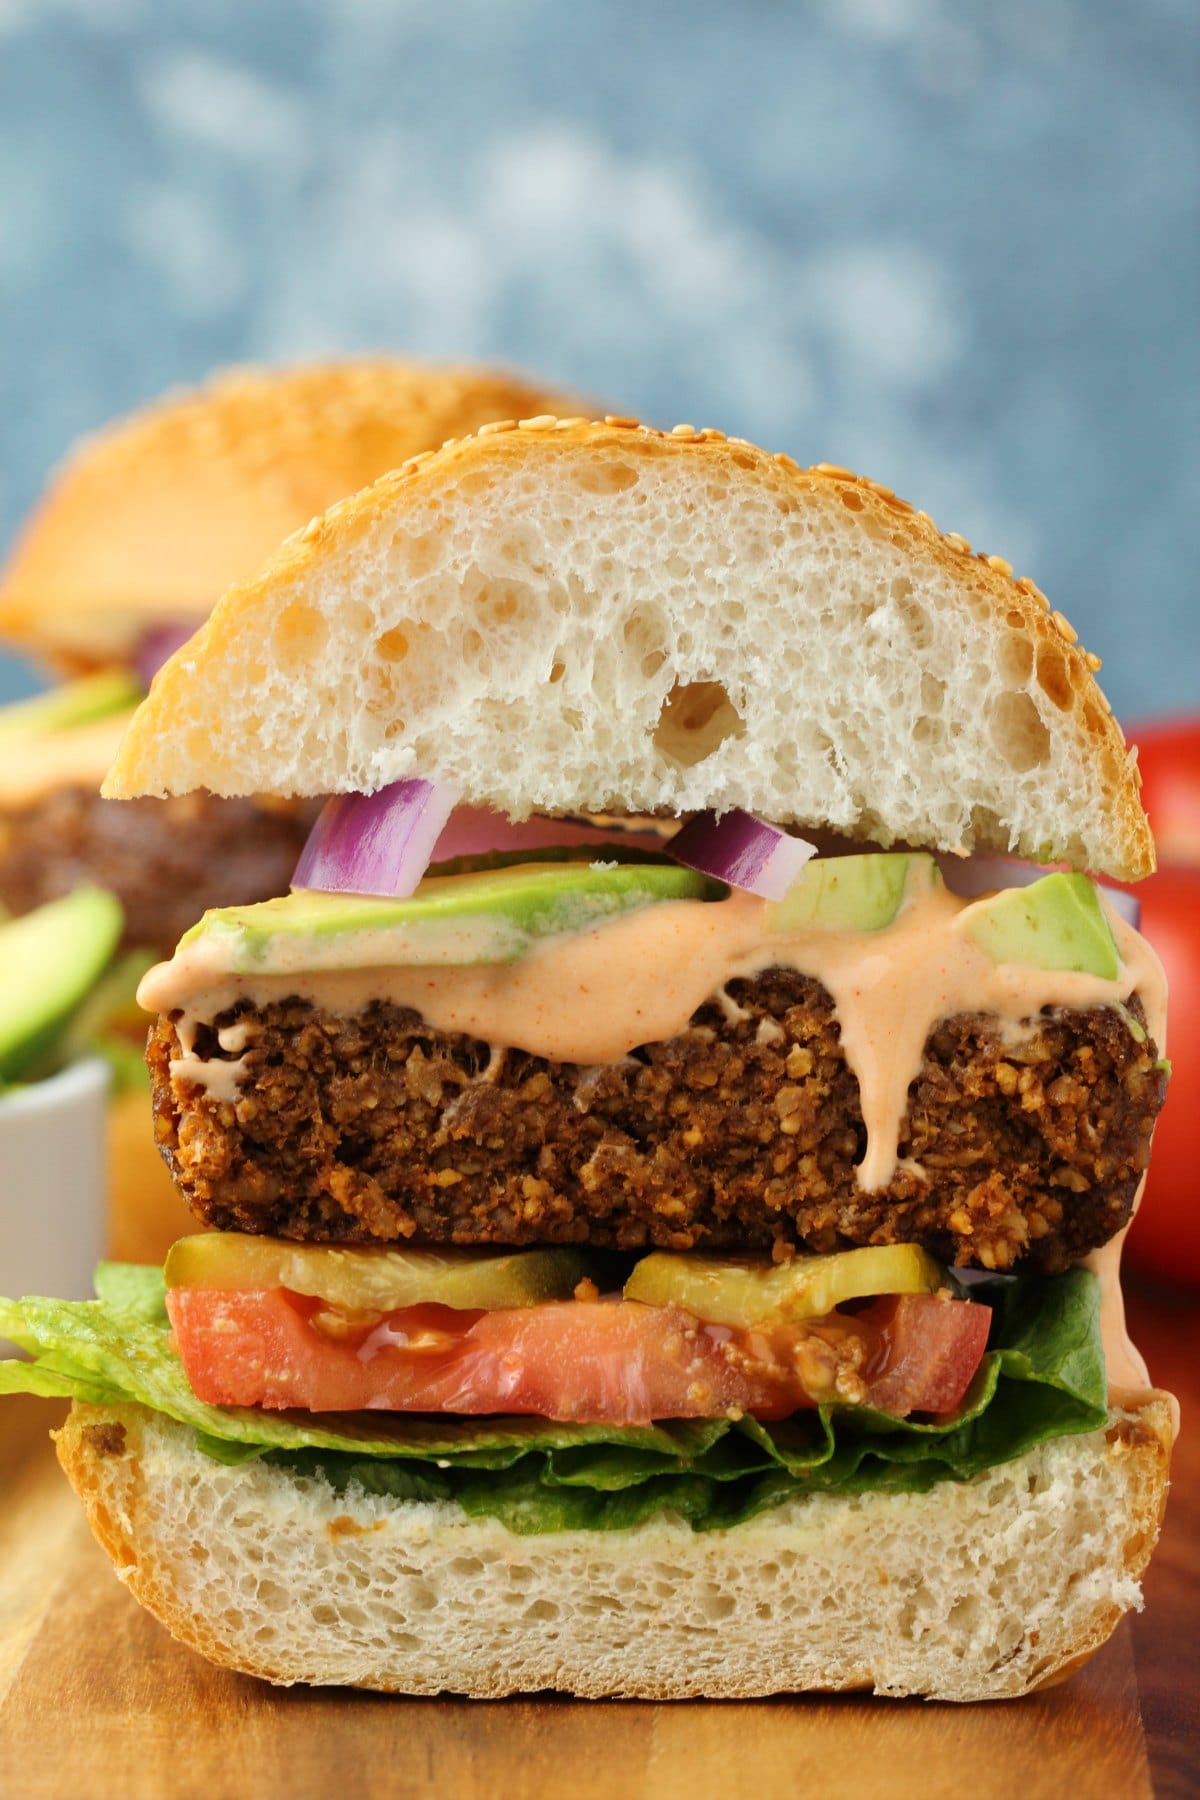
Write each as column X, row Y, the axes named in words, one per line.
column 1042, row 1377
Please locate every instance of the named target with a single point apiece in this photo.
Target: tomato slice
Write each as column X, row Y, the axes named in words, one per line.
column 601, row 1362
column 927, row 1352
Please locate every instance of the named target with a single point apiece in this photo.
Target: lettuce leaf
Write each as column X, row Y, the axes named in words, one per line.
column 1043, row 1377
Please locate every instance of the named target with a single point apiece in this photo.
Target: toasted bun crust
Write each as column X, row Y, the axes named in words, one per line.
column 153, row 517
column 973, row 1591
column 587, row 617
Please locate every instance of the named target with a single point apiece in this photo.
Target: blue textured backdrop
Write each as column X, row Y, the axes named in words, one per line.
column 953, row 246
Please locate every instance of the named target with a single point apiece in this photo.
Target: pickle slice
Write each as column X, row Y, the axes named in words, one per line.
column 748, row 1291
column 376, row 1280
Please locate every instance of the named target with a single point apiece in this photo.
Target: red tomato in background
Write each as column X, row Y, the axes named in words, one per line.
column 1169, row 758
column 1165, row 1237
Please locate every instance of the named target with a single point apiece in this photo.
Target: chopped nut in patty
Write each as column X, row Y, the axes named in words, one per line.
column 373, row 1128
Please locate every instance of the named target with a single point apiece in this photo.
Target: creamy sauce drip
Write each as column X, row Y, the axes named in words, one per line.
column 593, row 996
column 1123, row 1360
column 220, row 1080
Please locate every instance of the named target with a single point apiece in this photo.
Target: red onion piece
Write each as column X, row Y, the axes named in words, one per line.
column 376, row 843
column 476, row 830
column 156, row 645
column 742, row 850
column 973, row 875
column 1127, row 905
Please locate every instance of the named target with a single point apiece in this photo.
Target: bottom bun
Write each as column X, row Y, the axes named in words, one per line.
column 972, row 1591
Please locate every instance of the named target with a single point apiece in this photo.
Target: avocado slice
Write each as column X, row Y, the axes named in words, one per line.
column 110, row 1023
column 73, row 703
column 376, row 1280
column 1054, row 923
column 745, row 1292
column 49, row 960
column 112, row 1003
column 495, row 916
column 857, row 893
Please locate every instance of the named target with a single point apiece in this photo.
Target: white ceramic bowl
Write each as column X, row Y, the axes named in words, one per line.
column 52, row 1183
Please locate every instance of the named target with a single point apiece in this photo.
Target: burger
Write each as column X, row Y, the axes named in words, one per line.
column 143, row 528
column 667, row 1155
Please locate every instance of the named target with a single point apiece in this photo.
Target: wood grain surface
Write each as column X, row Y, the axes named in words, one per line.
column 98, row 1703
column 1165, row 1324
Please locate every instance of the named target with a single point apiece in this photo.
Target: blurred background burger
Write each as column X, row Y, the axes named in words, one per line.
column 143, row 527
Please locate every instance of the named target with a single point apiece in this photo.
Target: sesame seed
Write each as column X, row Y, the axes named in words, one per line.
column 959, row 542
column 836, row 471
column 787, row 462
column 619, row 423
column 542, row 422
column 1000, row 565
column 711, row 435
column 1093, row 661
column 1065, row 628
column 495, row 425
column 683, row 431
column 571, row 424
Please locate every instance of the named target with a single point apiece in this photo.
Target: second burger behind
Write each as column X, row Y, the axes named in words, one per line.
column 143, row 527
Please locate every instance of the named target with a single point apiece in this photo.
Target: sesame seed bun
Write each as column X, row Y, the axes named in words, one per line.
column 565, row 616
column 153, row 517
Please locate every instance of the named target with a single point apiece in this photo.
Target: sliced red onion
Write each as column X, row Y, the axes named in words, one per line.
column 742, row 850
column 1127, row 905
column 972, row 875
column 156, row 645
column 376, row 843
column 476, row 830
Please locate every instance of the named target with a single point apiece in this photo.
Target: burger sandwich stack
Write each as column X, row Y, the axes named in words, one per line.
column 664, row 1161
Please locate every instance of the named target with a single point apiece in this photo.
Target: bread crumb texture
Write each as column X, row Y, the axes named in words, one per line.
column 565, row 617
column 978, row 1590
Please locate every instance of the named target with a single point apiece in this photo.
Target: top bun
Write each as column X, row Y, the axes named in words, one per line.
column 566, row 616
column 152, row 518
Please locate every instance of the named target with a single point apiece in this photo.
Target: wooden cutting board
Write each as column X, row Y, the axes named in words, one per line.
column 98, row 1703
